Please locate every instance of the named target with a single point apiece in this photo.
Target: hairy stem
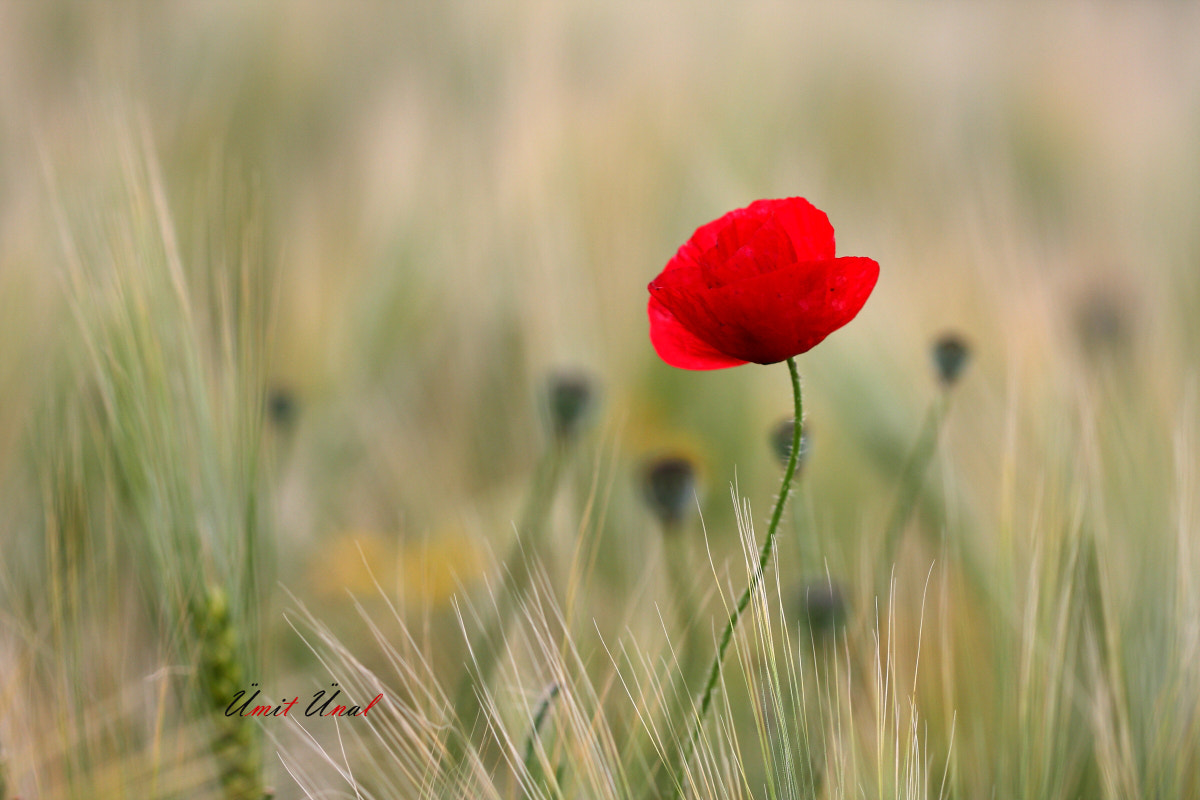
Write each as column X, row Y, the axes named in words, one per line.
column 764, row 558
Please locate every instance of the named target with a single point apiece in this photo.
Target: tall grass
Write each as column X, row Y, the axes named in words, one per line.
column 146, row 583
column 796, row 716
column 933, row 689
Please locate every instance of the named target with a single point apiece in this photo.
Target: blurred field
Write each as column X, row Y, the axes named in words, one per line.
column 282, row 285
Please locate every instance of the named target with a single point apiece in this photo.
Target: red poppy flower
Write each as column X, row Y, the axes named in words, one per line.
column 760, row 284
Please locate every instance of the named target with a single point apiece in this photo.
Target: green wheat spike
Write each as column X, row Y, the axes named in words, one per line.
column 235, row 742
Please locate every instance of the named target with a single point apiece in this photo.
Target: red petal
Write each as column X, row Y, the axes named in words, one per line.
column 679, row 347
column 739, row 223
column 772, row 316
column 758, row 238
column 807, row 226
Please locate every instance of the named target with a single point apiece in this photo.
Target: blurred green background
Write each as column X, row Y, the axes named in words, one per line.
column 441, row 204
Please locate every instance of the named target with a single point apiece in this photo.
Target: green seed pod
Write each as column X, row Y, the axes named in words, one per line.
column 950, row 356
column 1104, row 321
column 823, row 606
column 781, row 443
column 282, row 407
column 669, row 487
column 569, row 397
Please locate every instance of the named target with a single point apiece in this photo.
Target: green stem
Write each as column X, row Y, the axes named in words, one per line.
column 764, row 558
column 516, row 577
column 911, row 481
column 680, row 573
column 908, row 497
column 533, row 767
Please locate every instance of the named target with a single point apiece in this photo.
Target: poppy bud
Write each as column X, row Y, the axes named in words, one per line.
column 950, row 355
column 670, row 486
column 781, row 443
column 823, row 606
column 1102, row 321
column 570, row 398
column 281, row 406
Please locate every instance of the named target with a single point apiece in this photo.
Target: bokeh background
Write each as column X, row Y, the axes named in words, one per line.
column 443, row 204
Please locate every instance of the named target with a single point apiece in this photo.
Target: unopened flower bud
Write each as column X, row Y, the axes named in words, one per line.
column 570, row 397
column 669, row 485
column 281, row 406
column 823, row 606
column 1103, row 321
column 781, row 442
column 950, row 355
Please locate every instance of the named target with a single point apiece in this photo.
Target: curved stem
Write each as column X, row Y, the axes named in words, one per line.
column 764, row 558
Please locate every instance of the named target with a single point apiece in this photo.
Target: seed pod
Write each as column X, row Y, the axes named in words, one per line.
column 1104, row 321
column 282, row 407
column 569, row 397
column 823, row 606
column 669, row 486
column 781, row 443
column 950, row 356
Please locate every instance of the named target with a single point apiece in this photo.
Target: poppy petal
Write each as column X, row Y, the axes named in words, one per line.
column 717, row 241
column 678, row 346
column 759, row 284
column 726, row 233
column 758, row 238
column 775, row 315
column 807, row 227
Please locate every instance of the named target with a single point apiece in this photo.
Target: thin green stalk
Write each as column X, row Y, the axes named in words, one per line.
column 516, row 576
column 764, row 558
column 532, row 767
column 911, row 479
column 680, row 572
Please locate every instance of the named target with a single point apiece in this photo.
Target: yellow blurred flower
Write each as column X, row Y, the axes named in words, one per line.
column 355, row 560
column 432, row 570
column 426, row 571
